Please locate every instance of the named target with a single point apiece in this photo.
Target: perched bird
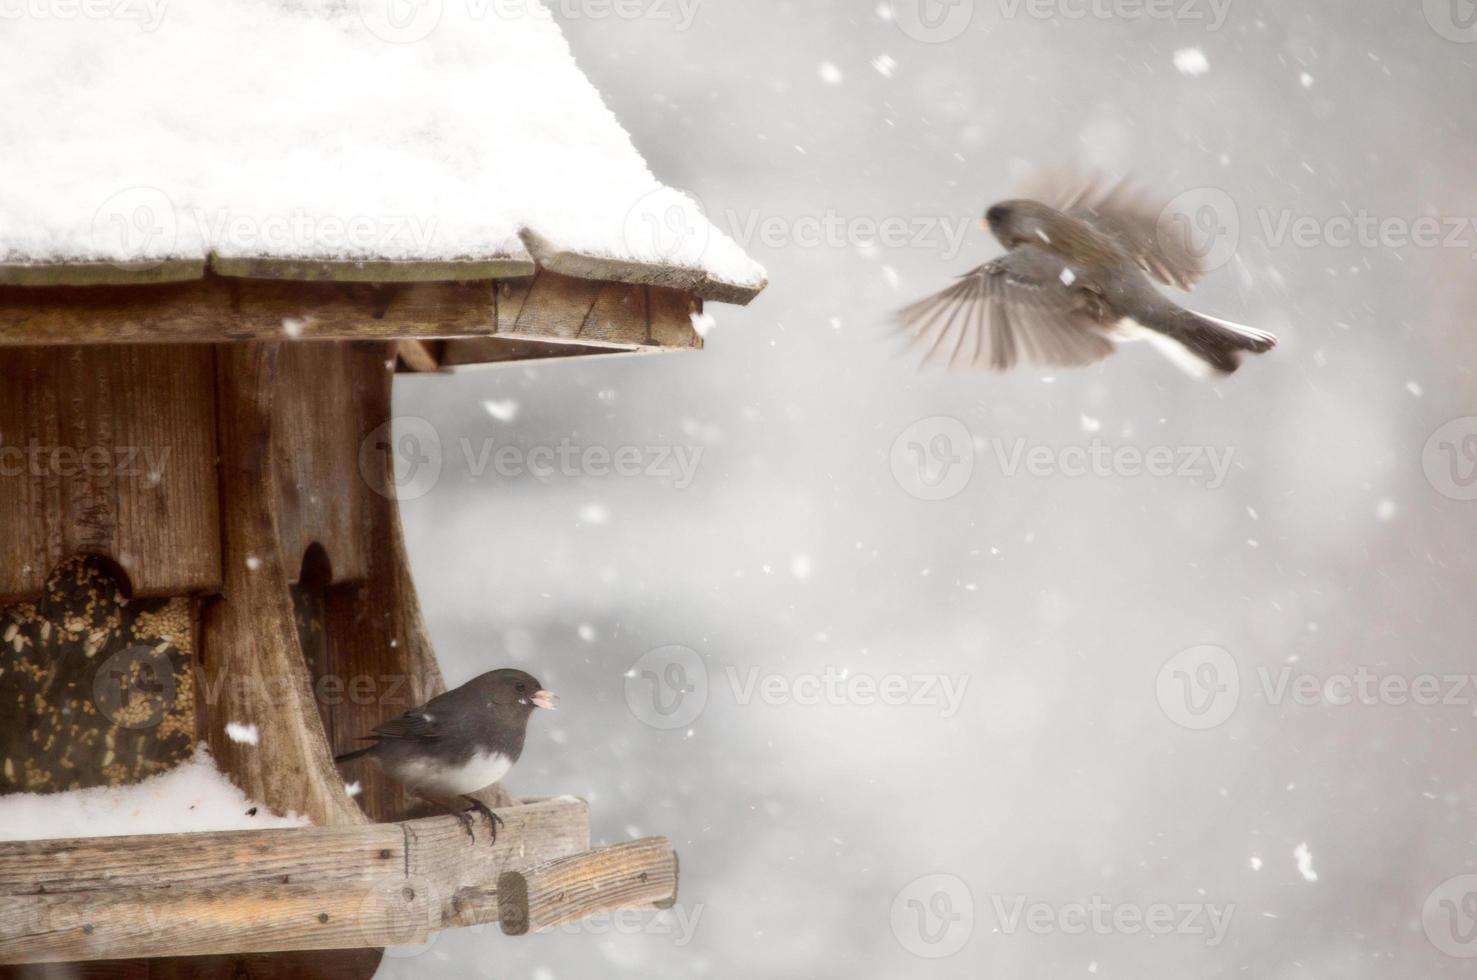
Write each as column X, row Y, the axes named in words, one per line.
column 1076, row 278
column 459, row 742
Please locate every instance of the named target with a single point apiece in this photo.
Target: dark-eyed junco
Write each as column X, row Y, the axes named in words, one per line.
column 1075, row 279
column 459, row 742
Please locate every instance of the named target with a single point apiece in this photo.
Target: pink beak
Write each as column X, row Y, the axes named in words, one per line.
column 544, row 699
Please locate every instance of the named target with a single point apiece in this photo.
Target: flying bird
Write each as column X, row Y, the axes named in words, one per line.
column 459, row 742
column 1076, row 280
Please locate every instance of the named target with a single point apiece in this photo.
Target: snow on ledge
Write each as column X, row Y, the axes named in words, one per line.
column 323, row 130
column 192, row 797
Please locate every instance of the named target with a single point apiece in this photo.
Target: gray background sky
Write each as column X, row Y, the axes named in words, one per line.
column 1064, row 774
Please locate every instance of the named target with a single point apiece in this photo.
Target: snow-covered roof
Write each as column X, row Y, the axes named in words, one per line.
column 359, row 139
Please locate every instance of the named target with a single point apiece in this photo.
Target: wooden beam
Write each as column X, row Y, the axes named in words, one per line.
column 547, row 307
column 263, row 891
column 371, row 270
column 254, row 671
column 640, row 874
column 418, row 356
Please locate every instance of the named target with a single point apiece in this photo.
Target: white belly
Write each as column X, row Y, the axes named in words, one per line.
column 479, row 772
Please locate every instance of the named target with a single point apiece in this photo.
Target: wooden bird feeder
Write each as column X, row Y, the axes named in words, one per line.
column 199, row 531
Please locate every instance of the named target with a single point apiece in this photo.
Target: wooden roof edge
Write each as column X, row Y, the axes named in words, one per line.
column 387, row 271
column 373, row 270
column 584, row 266
column 34, row 274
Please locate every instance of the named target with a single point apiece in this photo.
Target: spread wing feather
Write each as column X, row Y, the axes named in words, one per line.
column 1143, row 227
column 1014, row 309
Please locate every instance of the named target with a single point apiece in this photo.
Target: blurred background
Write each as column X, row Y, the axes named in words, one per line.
column 1109, row 691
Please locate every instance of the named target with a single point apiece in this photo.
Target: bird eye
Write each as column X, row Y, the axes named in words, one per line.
column 521, row 687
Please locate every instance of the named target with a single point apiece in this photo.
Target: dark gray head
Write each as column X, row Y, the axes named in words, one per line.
column 514, row 691
column 1020, row 221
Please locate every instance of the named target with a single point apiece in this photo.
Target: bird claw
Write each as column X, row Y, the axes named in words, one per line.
column 493, row 820
column 466, row 821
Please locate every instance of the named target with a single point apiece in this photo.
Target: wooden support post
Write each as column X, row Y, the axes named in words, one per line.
column 254, row 670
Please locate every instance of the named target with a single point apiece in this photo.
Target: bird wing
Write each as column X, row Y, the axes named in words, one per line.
column 1143, row 227
column 1023, row 307
column 416, row 725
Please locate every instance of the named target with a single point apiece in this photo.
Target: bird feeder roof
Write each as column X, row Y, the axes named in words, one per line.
column 328, row 140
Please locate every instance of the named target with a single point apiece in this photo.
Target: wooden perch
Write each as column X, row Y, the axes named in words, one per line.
column 307, row 888
column 641, row 874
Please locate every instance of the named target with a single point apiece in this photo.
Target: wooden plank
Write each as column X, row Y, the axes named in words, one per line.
column 380, row 271
column 672, row 311
column 640, row 874
column 619, row 316
column 533, row 831
column 320, row 964
column 196, row 894
column 316, row 435
column 253, row 666
column 378, row 658
column 419, row 356
column 31, row 275
column 109, row 452
column 556, row 308
column 218, row 309
column 696, row 281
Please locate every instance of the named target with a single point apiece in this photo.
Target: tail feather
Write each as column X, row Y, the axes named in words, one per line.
column 1218, row 345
